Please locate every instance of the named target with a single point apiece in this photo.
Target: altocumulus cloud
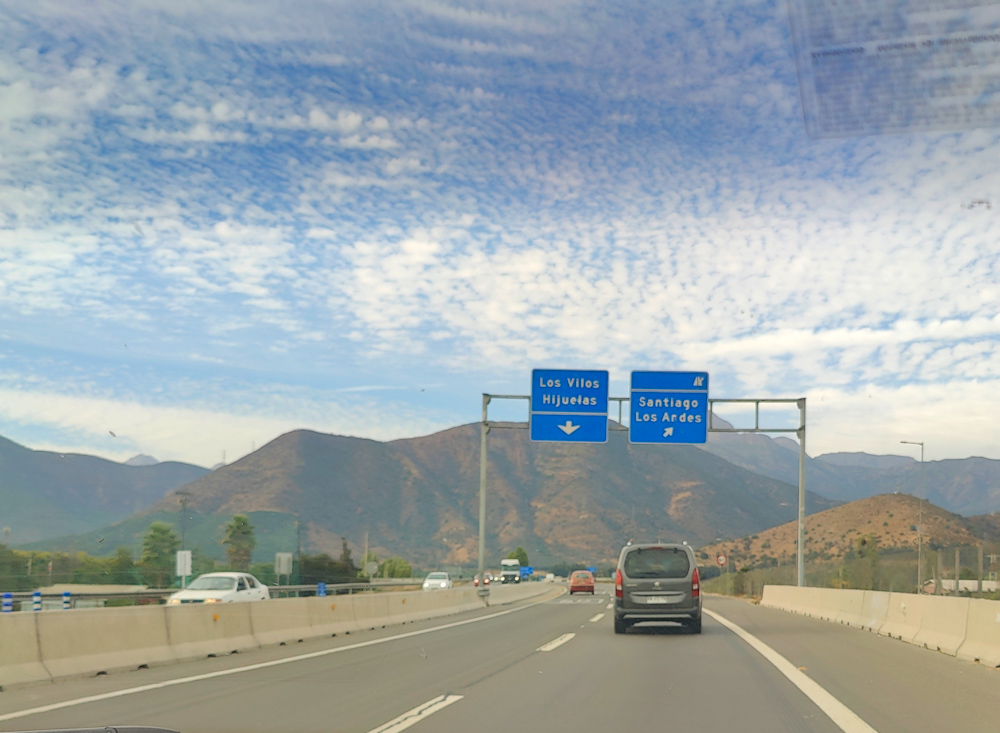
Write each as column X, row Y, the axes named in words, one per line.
column 326, row 197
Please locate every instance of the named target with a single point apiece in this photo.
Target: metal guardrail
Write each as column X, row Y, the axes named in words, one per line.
column 276, row 591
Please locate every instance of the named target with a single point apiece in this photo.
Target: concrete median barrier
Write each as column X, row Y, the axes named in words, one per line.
column 202, row 630
column 501, row 595
column 903, row 616
column 89, row 641
column 943, row 624
column 331, row 615
column 982, row 634
column 20, row 656
column 874, row 610
column 281, row 620
column 370, row 609
column 43, row 646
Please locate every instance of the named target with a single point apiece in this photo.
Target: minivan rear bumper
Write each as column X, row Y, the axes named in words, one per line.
column 655, row 614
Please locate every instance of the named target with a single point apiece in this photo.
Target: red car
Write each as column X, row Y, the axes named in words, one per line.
column 488, row 576
column 581, row 581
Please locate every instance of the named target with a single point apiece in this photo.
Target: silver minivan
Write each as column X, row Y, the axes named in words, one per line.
column 657, row 582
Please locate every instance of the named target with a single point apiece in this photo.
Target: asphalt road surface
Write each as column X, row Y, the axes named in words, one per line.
column 540, row 666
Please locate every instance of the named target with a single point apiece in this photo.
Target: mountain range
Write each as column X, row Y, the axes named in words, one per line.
column 965, row 486
column 45, row 494
column 420, row 497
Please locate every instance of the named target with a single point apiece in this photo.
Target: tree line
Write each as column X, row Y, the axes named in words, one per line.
column 24, row 570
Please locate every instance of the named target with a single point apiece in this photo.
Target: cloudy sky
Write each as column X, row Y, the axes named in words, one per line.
column 222, row 221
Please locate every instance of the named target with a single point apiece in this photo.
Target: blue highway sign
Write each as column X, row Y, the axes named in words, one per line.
column 668, row 407
column 569, row 406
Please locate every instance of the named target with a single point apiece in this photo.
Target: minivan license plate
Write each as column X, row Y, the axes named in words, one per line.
column 657, row 599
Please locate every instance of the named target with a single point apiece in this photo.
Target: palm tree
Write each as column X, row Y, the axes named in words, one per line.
column 239, row 542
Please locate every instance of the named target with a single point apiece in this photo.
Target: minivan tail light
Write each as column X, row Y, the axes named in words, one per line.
column 618, row 584
column 695, row 584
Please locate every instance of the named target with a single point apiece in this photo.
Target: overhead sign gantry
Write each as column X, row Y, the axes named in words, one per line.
column 666, row 408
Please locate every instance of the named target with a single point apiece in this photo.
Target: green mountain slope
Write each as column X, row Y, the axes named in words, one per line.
column 45, row 494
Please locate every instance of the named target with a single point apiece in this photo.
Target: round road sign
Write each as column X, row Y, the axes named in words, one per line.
column 721, row 559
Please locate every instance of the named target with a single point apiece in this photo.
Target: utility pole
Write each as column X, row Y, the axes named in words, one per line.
column 365, row 557
column 920, row 519
column 979, row 581
column 298, row 550
column 184, row 496
column 958, row 569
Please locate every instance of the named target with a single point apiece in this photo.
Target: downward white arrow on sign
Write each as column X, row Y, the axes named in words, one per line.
column 569, row 428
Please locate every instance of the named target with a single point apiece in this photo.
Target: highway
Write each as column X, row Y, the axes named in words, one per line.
column 550, row 665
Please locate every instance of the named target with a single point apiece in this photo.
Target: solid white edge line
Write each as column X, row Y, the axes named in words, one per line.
column 597, row 618
column 841, row 715
column 555, row 643
column 250, row 667
column 421, row 712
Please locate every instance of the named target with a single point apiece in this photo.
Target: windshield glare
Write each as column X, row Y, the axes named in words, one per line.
column 437, row 576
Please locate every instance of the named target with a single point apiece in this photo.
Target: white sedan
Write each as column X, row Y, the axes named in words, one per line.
column 221, row 588
column 437, row 581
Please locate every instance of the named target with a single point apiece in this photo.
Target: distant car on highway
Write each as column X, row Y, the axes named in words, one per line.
column 657, row 582
column 487, row 575
column 437, row 581
column 221, row 588
column 581, row 581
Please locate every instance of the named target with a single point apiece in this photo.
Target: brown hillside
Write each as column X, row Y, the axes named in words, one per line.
column 420, row 497
column 830, row 534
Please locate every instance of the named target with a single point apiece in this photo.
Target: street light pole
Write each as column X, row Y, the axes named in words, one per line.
column 920, row 527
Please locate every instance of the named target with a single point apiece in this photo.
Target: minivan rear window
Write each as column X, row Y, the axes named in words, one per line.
column 657, row 562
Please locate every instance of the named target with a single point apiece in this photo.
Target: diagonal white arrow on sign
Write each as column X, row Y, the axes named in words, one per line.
column 569, row 428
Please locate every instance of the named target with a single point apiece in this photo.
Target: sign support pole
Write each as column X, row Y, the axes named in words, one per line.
column 484, row 428
column 801, row 545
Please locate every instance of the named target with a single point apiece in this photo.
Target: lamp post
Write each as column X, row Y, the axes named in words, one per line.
column 920, row 529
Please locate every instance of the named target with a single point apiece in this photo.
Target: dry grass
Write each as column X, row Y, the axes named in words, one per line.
column 888, row 519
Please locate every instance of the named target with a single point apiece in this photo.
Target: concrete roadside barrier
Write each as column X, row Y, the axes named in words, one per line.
column 874, row 610
column 20, row 656
column 89, row 641
column 943, row 623
column 903, row 617
column 783, row 597
column 829, row 604
column 982, row 633
column 280, row 620
column 210, row 629
column 850, row 603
